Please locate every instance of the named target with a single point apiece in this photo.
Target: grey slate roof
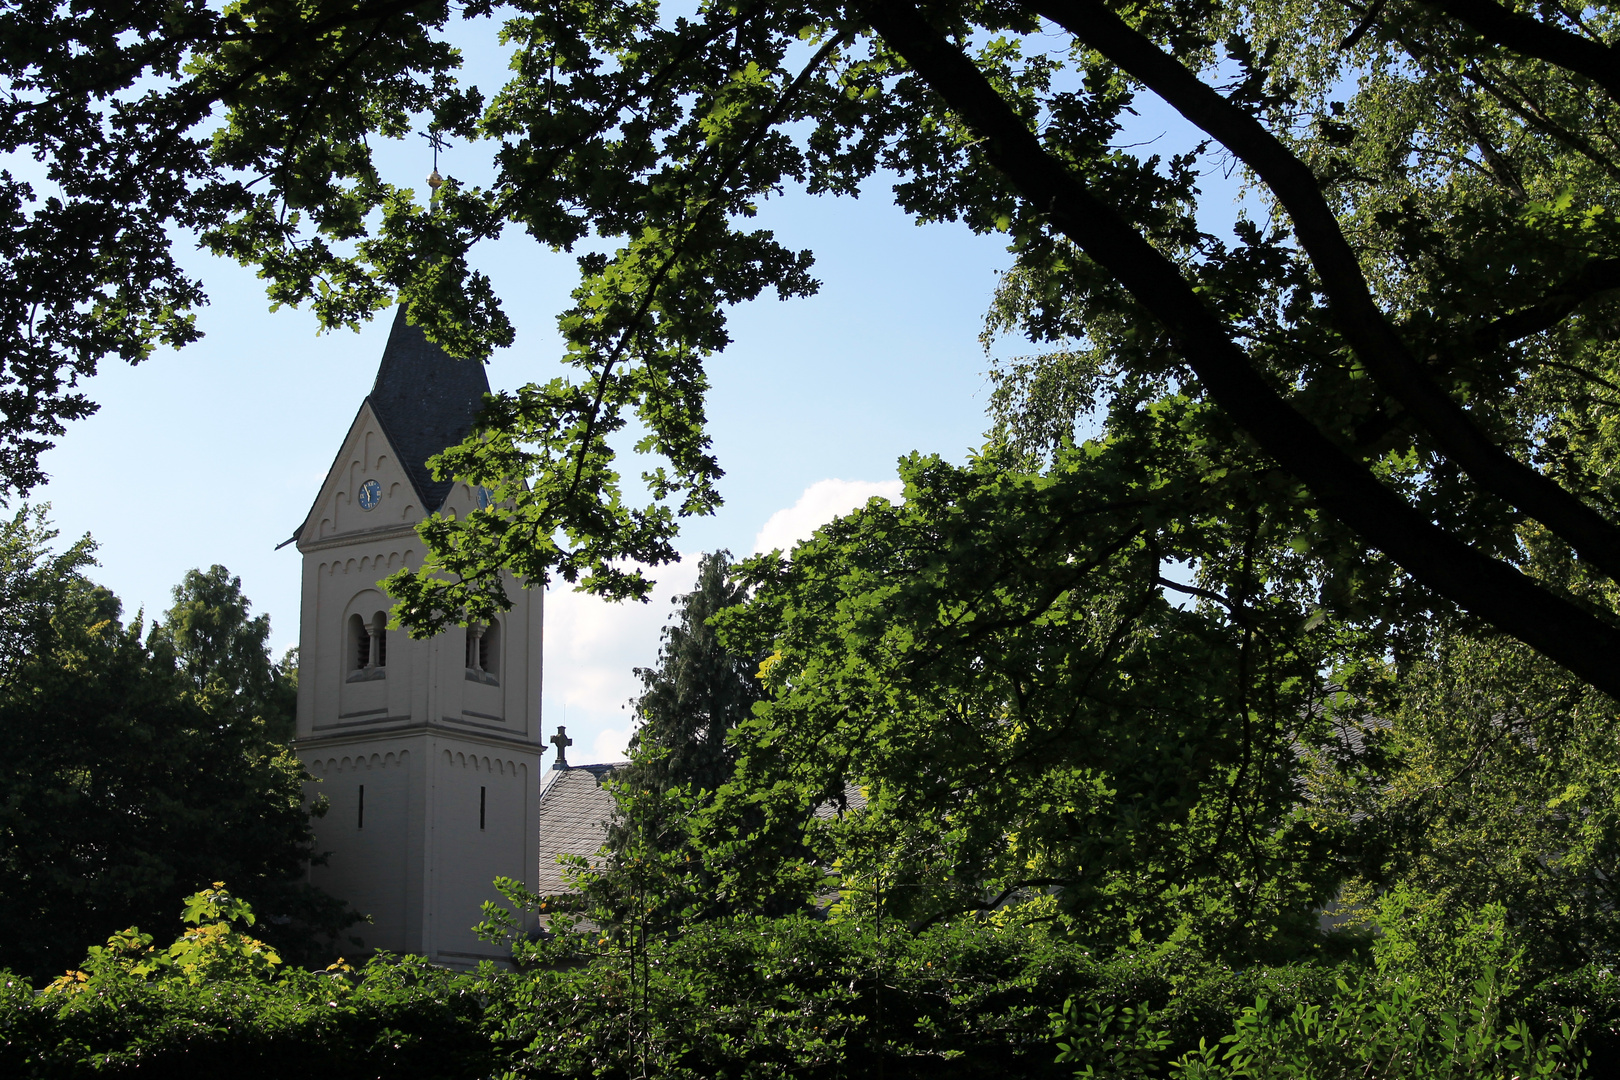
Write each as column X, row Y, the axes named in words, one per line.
column 574, row 812
column 425, row 400
column 854, row 799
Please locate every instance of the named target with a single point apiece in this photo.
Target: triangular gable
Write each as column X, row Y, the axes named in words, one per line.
column 423, row 400
column 367, row 454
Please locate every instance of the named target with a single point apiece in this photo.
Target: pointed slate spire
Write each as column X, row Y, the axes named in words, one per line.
column 425, row 400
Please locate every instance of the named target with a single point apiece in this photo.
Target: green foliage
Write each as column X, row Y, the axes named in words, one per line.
column 113, row 101
column 1369, row 1029
column 1370, row 439
column 34, row 581
column 1109, row 1046
column 226, row 656
column 698, row 693
column 1034, row 725
column 756, row 998
column 804, row 997
column 125, row 779
column 213, row 949
column 218, row 1001
column 1403, row 374
column 1447, row 1013
column 1485, row 783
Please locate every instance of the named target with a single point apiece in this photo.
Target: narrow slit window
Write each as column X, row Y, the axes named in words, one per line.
column 481, row 804
column 360, row 818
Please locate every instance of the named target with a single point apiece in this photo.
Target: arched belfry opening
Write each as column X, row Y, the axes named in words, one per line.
column 434, row 745
column 359, row 645
column 484, row 652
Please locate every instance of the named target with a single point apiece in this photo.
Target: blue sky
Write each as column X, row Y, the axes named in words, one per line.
column 213, row 454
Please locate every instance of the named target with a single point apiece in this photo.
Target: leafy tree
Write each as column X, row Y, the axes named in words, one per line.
column 1411, row 355
column 1034, row 724
column 1484, row 778
column 1373, row 423
column 121, row 786
column 110, row 101
column 34, row 581
column 225, row 653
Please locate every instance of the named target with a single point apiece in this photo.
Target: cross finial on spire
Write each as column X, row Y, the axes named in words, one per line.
column 562, row 742
column 438, row 143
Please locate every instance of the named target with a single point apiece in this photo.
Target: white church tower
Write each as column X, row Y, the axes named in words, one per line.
column 428, row 752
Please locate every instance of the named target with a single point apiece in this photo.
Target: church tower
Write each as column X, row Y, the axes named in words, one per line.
column 428, row 752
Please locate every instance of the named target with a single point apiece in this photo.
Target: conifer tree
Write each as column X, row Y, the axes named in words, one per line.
column 698, row 692
column 691, row 700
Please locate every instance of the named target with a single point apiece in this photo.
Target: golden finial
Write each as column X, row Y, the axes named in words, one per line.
column 434, row 180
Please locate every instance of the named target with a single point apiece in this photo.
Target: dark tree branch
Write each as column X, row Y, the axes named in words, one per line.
column 1497, row 166
column 1365, row 24
column 988, row 905
column 1583, row 374
column 1596, row 277
column 1526, row 36
column 1240, row 614
column 1490, row 589
column 1355, row 314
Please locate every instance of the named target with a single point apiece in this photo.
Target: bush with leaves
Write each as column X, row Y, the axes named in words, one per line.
column 1372, row 1028
column 753, row 998
column 218, row 1001
column 806, row 996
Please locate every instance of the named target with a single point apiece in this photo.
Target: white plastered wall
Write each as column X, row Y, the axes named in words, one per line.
column 426, row 738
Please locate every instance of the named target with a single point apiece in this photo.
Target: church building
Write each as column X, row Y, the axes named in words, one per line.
column 427, row 752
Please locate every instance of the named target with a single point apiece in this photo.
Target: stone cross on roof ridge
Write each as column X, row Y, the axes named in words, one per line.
column 562, row 742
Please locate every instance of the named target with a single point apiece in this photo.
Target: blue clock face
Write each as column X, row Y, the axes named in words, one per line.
column 484, row 498
column 370, row 494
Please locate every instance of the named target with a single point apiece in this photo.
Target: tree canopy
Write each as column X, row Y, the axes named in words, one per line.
column 225, row 653
column 1404, row 368
column 125, row 778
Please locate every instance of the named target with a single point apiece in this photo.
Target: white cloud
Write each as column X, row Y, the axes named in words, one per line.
column 821, row 502
column 592, row 650
column 611, row 744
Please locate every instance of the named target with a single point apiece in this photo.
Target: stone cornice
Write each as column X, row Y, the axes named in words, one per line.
column 386, row 532
column 348, row 735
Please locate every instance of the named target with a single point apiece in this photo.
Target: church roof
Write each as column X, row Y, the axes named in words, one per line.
column 574, row 812
column 425, row 401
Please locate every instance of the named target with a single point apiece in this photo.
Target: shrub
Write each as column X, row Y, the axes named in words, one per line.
column 755, row 998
